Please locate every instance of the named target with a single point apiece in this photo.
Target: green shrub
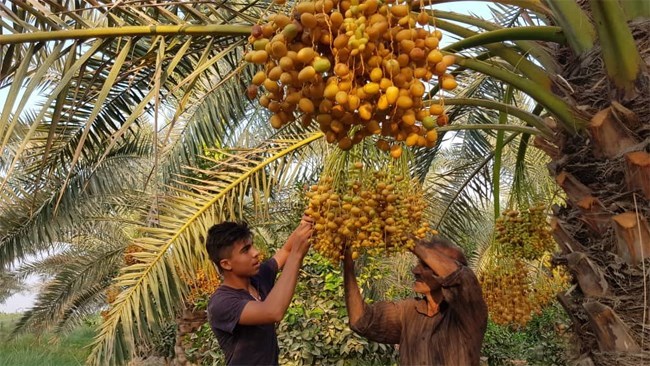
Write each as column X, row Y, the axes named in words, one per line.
column 315, row 329
column 203, row 347
column 163, row 341
column 539, row 343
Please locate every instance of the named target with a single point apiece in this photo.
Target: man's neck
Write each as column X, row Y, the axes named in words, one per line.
column 433, row 302
column 236, row 282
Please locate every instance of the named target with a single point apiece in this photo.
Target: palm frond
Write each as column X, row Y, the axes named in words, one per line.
column 10, row 284
column 31, row 223
column 172, row 248
column 531, row 182
column 77, row 288
column 94, row 91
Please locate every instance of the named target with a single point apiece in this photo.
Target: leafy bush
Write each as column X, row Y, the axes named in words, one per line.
column 163, row 341
column 204, row 348
column 538, row 343
column 315, row 329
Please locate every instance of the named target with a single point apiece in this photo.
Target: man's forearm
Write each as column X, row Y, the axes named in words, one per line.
column 353, row 299
column 280, row 296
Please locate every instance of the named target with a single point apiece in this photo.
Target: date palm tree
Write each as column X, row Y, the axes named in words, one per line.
column 591, row 100
column 81, row 88
column 105, row 68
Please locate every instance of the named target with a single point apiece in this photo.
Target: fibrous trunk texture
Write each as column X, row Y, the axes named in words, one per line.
column 603, row 229
column 637, row 172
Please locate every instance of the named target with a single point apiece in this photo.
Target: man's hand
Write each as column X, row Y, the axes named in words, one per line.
column 304, row 230
column 419, row 250
column 307, row 219
column 299, row 240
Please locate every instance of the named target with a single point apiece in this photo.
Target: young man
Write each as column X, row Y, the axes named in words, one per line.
column 445, row 327
column 244, row 309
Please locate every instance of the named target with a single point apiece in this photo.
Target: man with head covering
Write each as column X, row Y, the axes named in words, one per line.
column 443, row 327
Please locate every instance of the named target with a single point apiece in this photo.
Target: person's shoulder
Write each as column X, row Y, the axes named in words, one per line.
column 407, row 303
column 467, row 273
column 225, row 294
column 411, row 302
column 271, row 263
column 224, row 290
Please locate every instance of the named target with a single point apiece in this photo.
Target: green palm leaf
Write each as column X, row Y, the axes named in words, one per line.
column 87, row 109
column 76, row 290
column 173, row 247
column 29, row 222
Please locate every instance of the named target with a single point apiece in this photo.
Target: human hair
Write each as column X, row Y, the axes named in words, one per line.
column 447, row 248
column 221, row 238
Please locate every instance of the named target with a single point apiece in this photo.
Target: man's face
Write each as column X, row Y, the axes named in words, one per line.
column 425, row 281
column 244, row 259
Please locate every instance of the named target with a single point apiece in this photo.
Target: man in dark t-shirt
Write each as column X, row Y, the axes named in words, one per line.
column 244, row 309
column 446, row 327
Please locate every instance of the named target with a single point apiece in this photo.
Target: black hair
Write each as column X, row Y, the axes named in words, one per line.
column 446, row 247
column 221, row 238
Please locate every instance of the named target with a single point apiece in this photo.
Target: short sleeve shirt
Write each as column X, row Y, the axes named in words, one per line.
column 453, row 336
column 244, row 344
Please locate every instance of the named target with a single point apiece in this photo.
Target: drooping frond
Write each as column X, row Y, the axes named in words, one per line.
column 76, row 290
column 531, row 182
column 152, row 287
column 459, row 193
column 9, row 285
column 214, row 119
column 85, row 256
column 96, row 71
column 32, row 222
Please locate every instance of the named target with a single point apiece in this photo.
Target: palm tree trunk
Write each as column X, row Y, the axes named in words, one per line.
column 603, row 229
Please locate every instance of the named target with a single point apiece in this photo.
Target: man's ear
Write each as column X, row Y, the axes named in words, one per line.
column 225, row 264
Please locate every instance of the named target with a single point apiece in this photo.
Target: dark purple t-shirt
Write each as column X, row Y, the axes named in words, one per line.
column 244, row 344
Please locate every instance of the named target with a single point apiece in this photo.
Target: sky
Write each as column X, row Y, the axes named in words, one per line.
column 19, row 303
column 23, row 301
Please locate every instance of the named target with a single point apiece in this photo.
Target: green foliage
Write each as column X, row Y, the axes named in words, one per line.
column 203, row 347
column 387, row 277
column 315, row 329
column 539, row 343
column 46, row 349
column 163, row 341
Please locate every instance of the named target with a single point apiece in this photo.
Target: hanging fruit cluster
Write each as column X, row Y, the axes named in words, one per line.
column 525, row 235
column 550, row 280
column 514, row 290
column 519, row 280
column 375, row 212
column 508, row 294
column 359, row 68
column 202, row 285
column 129, row 258
column 111, row 294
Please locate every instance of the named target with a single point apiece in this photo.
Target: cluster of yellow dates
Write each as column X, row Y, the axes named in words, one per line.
column 201, row 286
column 359, row 68
column 514, row 290
column 375, row 213
column 520, row 281
column 524, row 234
